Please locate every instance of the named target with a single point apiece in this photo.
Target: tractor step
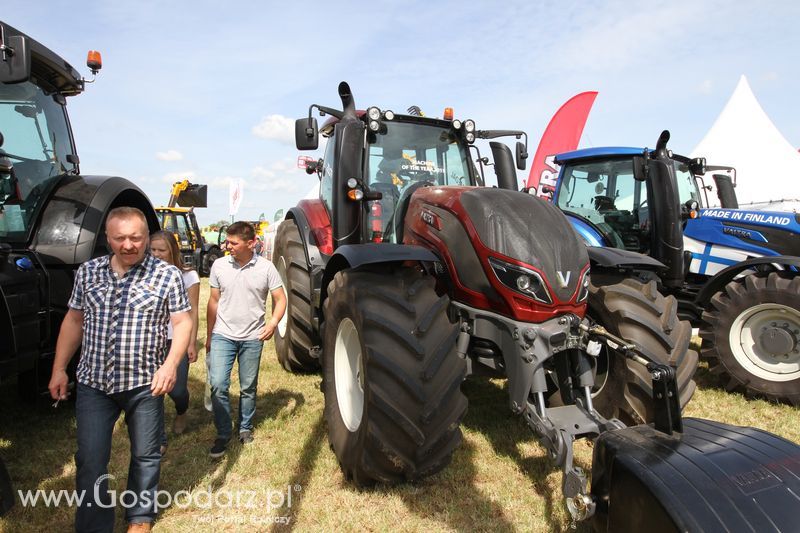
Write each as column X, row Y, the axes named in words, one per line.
column 712, row 477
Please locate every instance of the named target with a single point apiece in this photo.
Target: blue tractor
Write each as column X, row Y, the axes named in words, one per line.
column 732, row 271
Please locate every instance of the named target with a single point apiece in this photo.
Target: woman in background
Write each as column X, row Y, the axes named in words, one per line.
column 164, row 246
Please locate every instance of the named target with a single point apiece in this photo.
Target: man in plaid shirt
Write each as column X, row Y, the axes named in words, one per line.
column 118, row 313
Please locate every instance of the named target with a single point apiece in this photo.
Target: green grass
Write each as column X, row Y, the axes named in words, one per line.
column 500, row 478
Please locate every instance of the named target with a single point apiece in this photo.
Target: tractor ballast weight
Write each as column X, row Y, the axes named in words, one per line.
column 399, row 309
column 732, row 271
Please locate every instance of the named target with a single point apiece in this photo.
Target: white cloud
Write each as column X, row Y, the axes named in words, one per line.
column 276, row 128
column 706, row 87
column 280, row 176
column 169, row 155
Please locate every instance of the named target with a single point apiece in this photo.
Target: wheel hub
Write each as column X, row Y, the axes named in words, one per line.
column 777, row 340
column 765, row 340
column 349, row 374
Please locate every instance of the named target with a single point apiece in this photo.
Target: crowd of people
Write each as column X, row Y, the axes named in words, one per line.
column 134, row 315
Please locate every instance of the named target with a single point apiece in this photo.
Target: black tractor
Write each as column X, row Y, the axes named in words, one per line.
column 51, row 216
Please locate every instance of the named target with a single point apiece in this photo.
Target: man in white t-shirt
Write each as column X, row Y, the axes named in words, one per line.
column 237, row 328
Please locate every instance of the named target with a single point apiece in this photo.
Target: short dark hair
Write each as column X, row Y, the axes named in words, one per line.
column 242, row 229
column 126, row 211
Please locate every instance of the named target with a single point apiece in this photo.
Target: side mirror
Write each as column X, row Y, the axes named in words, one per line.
column 306, row 133
column 15, row 58
column 521, row 155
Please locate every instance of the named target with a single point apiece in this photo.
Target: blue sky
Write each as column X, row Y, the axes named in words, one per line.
column 210, row 90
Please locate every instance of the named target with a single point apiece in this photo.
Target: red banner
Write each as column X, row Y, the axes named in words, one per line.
column 562, row 135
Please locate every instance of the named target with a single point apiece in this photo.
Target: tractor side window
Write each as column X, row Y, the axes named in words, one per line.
column 326, row 181
column 183, row 232
column 687, row 185
column 36, row 141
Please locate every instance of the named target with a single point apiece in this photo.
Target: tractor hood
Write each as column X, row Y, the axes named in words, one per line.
column 506, row 245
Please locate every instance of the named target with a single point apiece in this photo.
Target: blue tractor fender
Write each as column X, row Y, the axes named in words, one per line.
column 356, row 255
column 722, row 278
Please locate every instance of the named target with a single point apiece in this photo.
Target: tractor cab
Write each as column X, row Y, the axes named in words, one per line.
column 381, row 158
column 605, row 192
column 36, row 148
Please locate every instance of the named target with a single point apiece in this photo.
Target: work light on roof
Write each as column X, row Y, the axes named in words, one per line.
column 469, row 125
column 388, row 115
column 456, row 124
column 374, row 113
column 374, row 125
column 470, row 137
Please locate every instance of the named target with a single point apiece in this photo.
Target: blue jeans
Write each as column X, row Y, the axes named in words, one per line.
column 180, row 392
column 224, row 352
column 96, row 413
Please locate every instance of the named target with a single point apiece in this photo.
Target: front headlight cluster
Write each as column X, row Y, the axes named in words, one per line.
column 374, row 116
column 521, row 280
column 468, row 129
column 583, row 291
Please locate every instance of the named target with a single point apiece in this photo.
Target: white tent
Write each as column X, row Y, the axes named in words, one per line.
column 744, row 137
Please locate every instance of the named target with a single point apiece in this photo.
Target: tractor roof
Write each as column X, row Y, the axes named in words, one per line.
column 48, row 69
column 603, row 151
column 327, row 126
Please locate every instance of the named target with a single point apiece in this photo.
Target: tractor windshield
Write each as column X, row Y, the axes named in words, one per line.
column 606, row 195
column 36, row 141
column 410, row 153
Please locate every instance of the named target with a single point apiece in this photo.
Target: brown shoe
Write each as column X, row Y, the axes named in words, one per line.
column 179, row 425
column 141, row 527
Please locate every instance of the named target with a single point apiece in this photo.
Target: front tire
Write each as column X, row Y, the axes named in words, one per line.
column 638, row 313
column 751, row 335
column 295, row 336
column 391, row 376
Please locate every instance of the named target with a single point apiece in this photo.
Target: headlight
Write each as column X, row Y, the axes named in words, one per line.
column 521, row 280
column 583, row 291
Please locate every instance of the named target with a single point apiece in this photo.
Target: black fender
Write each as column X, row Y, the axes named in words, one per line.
column 356, row 255
column 722, row 278
column 602, row 258
column 72, row 221
column 314, row 257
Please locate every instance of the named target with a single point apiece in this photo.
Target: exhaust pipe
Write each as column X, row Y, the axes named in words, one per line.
column 348, row 104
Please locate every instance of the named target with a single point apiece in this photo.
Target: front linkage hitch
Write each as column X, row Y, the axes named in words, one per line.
column 557, row 428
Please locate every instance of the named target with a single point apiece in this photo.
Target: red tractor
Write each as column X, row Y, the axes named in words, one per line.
column 406, row 276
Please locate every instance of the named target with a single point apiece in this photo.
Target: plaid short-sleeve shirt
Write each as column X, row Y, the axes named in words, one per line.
column 125, row 321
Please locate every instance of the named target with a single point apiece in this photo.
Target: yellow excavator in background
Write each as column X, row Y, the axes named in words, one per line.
column 179, row 218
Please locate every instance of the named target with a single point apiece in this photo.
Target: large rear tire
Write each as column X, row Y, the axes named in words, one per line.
column 391, row 376
column 751, row 335
column 640, row 314
column 295, row 336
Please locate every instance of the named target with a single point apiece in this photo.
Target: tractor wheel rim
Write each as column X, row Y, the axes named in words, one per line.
column 349, row 375
column 285, row 318
column 765, row 340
